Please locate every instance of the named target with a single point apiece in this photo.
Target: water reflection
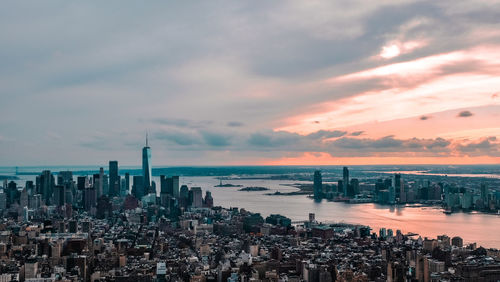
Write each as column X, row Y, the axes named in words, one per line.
column 427, row 221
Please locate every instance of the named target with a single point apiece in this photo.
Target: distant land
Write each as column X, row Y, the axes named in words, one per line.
column 253, row 188
column 276, row 172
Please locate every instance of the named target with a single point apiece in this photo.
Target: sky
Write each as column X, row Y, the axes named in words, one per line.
column 250, row 82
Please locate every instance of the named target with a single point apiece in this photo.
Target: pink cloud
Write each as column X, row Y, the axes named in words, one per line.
column 409, row 89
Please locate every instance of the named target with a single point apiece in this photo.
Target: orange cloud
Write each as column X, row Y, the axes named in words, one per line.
column 414, row 88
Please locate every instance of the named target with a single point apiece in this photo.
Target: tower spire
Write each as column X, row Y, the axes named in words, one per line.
column 147, row 139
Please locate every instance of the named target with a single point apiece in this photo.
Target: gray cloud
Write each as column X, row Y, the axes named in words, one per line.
column 216, row 140
column 488, row 146
column 127, row 69
column 327, row 134
column 182, row 122
column 425, row 117
column 465, row 114
column 322, row 142
column 178, row 137
column 357, row 133
column 235, row 124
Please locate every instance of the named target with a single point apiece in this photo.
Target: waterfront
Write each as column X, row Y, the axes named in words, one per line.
column 426, row 221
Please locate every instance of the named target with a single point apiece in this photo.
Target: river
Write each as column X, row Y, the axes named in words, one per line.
column 483, row 229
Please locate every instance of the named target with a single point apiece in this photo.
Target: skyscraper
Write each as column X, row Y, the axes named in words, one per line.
column 396, row 182
column 318, row 184
column 100, row 189
column 197, row 197
column 126, row 189
column 175, row 184
column 146, row 165
column 45, row 185
column 138, row 186
column 345, row 180
column 114, row 182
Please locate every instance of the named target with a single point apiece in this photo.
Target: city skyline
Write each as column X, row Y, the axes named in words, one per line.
column 316, row 83
column 252, row 141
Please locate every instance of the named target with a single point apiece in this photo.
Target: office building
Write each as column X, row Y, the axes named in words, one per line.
column 345, row 180
column 114, row 179
column 45, row 186
column 318, row 185
column 146, row 165
column 175, row 186
column 138, row 186
column 197, row 197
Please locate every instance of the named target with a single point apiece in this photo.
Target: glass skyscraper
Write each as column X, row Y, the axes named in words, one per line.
column 146, row 165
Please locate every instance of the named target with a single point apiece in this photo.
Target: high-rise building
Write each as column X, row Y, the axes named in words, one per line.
column 59, row 195
column 392, row 195
column 82, row 182
column 45, row 186
column 89, row 198
column 184, row 196
column 318, row 185
column 354, row 187
column 197, row 197
column 396, row 182
column 114, row 179
column 3, row 200
column 30, row 188
column 209, row 200
column 345, row 180
column 24, row 198
column 138, row 186
column 484, row 193
column 105, row 185
column 64, row 177
column 100, row 187
column 175, row 185
column 127, row 183
column 146, row 165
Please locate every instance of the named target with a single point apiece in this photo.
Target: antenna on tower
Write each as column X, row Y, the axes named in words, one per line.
column 146, row 139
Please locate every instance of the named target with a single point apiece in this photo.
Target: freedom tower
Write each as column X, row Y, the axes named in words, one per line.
column 146, row 165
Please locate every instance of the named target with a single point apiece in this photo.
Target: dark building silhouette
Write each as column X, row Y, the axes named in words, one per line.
column 208, row 202
column 318, row 185
column 12, row 193
column 59, row 195
column 82, row 182
column 354, row 187
column 89, row 198
column 146, row 165
column 138, row 186
column 397, row 185
column 45, row 185
column 114, row 179
column 127, row 183
column 345, row 180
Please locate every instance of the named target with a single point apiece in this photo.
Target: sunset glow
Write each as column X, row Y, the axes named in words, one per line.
column 313, row 82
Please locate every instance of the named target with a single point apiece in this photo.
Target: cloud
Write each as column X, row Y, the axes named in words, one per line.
column 278, row 139
column 327, row 134
column 235, row 124
column 275, row 66
column 178, row 137
column 425, row 117
column 335, row 143
column 357, row 133
column 489, row 146
column 465, row 114
column 215, row 139
column 182, row 122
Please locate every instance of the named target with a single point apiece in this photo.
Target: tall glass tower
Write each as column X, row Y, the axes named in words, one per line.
column 146, row 165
